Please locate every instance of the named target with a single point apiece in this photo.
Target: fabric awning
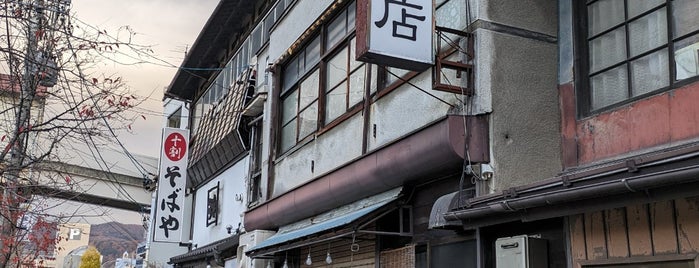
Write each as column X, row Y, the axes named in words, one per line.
column 354, row 215
column 445, row 204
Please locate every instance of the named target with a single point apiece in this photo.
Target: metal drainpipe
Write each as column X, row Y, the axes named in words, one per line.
column 631, row 184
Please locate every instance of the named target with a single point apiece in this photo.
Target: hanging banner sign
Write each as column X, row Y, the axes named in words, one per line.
column 169, row 214
column 396, row 33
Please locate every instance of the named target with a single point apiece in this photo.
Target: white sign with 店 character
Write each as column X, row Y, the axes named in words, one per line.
column 396, row 33
column 169, row 214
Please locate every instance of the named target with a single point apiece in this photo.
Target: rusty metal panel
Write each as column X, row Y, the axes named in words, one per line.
column 688, row 224
column 577, row 237
column 617, row 242
column 684, row 119
column 639, row 230
column 663, row 228
column 569, row 145
column 595, row 236
column 660, row 120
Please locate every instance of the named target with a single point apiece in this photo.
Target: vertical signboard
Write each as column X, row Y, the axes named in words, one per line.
column 396, row 33
column 171, row 185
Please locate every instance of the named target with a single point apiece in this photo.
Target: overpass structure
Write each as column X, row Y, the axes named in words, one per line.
column 111, row 180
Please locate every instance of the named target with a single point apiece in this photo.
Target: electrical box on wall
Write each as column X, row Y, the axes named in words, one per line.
column 249, row 240
column 521, row 252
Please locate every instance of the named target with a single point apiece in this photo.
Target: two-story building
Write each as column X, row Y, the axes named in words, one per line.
column 568, row 122
column 353, row 162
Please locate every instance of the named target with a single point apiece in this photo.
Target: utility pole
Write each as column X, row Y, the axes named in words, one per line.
column 36, row 66
column 13, row 192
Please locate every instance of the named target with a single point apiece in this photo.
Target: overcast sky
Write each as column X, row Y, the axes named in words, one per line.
column 170, row 26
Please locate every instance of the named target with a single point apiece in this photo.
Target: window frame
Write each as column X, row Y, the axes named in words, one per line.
column 325, row 54
column 382, row 82
column 174, row 120
column 255, row 172
column 582, row 61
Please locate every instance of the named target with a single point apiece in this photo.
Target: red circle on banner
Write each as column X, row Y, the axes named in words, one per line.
column 175, row 146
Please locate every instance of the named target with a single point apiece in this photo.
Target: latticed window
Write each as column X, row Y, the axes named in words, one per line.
column 323, row 81
column 634, row 49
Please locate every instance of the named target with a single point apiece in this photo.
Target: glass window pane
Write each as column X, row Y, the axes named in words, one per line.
column 313, row 53
column 452, row 15
column 351, row 16
column 289, row 135
column 603, row 15
column 232, row 74
column 289, row 107
column 256, row 38
column 609, row 87
column 269, row 21
column 684, row 16
column 374, row 79
column 291, row 72
column 356, row 86
column 336, row 69
column 279, row 9
column 336, row 103
column 687, row 58
column 648, row 32
column 607, row 49
column 635, row 8
column 650, row 73
column 309, row 120
column 302, row 64
column 336, row 30
column 354, row 64
column 309, row 89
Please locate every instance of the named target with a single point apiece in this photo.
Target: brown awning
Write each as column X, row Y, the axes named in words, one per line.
column 434, row 151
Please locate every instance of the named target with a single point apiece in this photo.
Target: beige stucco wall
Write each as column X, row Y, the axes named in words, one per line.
column 67, row 242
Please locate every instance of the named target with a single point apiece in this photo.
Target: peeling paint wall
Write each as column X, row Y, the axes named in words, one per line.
column 661, row 121
column 654, row 123
column 327, row 151
column 405, row 110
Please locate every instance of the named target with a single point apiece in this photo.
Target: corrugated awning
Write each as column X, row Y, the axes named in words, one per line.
column 220, row 249
column 340, row 220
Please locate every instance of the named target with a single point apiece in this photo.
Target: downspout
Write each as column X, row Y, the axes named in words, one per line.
column 618, row 186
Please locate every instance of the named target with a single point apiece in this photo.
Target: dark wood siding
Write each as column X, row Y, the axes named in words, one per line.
column 661, row 229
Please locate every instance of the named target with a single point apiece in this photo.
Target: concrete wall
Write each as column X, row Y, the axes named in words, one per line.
column 405, row 110
column 532, row 15
column 517, row 72
column 291, row 26
column 232, row 185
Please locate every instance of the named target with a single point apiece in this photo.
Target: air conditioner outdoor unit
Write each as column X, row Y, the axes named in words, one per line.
column 521, row 252
column 248, row 240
